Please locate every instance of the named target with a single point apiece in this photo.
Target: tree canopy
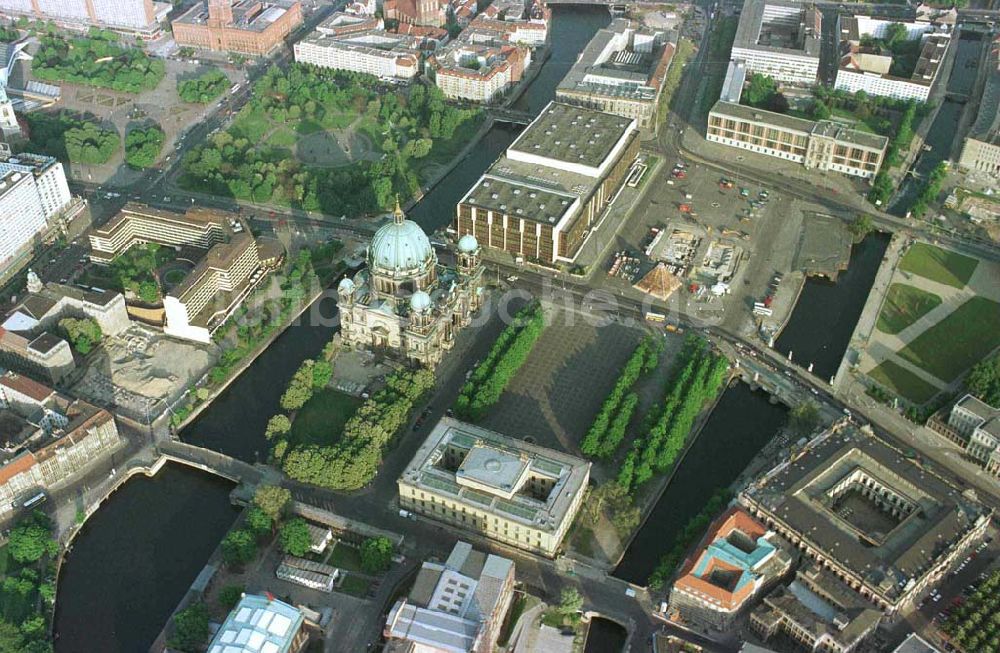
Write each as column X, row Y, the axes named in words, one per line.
column 204, row 88
column 984, row 380
column 239, row 547
column 190, row 628
column 295, row 537
column 272, row 499
column 376, row 555
column 96, row 60
column 83, row 333
column 142, row 146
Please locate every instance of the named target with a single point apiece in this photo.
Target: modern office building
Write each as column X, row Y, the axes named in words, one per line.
column 455, row 606
column 549, row 192
column 142, row 17
column 405, row 303
column 33, row 196
column 246, row 26
column 621, row 71
column 818, row 611
column 361, row 44
column 867, row 513
column 739, row 561
column 822, row 145
column 79, row 436
column 981, row 152
column 261, row 624
column 465, row 70
column 781, row 39
column 868, row 68
column 227, row 269
column 520, row 494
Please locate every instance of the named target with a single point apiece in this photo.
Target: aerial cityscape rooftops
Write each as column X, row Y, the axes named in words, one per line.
column 584, row 139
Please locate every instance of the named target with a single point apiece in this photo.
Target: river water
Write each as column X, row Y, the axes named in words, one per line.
column 136, row 557
column 824, row 318
column 605, row 636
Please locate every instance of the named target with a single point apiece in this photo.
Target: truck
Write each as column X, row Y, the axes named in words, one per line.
column 406, row 514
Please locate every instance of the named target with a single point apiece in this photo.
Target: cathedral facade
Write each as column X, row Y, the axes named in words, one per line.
column 404, row 303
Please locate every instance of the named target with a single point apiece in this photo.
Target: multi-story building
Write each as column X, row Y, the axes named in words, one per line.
column 45, row 356
column 621, row 71
column 739, row 561
column 84, row 435
column 520, row 494
column 885, row 526
column 50, row 179
column 823, row 145
column 455, row 606
column 417, row 12
column 465, row 70
column 868, row 68
column 818, row 611
column 228, row 263
column 977, row 425
column 549, row 192
column 981, row 152
column 137, row 16
column 531, row 32
column 247, row 26
column 781, row 39
column 361, row 44
column 259, row 624
column 404, row 303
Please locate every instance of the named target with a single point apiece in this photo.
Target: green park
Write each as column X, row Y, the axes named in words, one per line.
column 903, row 306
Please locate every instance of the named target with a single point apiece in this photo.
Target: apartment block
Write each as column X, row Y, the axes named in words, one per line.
column 140, row 16
column 517, row 493
column 466, row 70
column 361, row 44
column 548, row 193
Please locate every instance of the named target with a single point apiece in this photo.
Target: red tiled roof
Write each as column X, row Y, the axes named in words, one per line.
column 26, row 386
column 22, row 463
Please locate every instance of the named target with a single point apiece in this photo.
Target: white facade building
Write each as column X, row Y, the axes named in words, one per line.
column 779, row 38
column 50, row 179
column 22, row 217
column 329, row 52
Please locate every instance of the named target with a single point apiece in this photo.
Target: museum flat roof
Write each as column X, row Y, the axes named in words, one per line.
column 572, row 135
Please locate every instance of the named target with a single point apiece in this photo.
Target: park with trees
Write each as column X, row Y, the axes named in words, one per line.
column 510, row 351
column 97, row 59
column 204, row 88
column 975, row 624
column 27, row 585
column 258, row 158
column 72, row 139
column 143, row 145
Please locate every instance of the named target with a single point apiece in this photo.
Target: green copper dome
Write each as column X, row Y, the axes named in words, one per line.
column 400, row 246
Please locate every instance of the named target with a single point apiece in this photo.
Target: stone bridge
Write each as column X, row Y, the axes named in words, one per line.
column 512, row 115
column 212, row 462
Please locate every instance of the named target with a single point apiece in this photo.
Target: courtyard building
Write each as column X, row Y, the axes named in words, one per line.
column 551, row 189
column 360, row 44
column 142, row 17
column 516, row 493
column 245, row 26
column 261, row 623
column 404, row 303
column 228, row 264
column 478, row 72
column 621, row 71
column 818, row 612
column 458, row 606
column 739, row 561
column 885, row 526
column 780, row 39
column 867, row 68
column 46, row 439
column 981, row 152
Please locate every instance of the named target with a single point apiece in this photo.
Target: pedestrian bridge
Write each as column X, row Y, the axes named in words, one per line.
column 210, row 461
column 512, row 115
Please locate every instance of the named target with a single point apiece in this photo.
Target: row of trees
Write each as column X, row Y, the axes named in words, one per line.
column 311, row 376
column 698, row 378
column 83, row 333
column 508, row 354
column 984, row 380
column 204, row 88
column 27, row 586
column 670, row 560
column 929, row 190
column 975, row 625
column 353, row 461
column 608, row 429
column 143, row 145
column 96, row 60
column 307, row 99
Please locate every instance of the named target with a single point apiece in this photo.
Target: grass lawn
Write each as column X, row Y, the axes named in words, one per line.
column 903, row 382
column 283, row 137
column 252, row 126
column 957, row 342
column 344, row 557
column 939, row 265
column 903, row 306
column 355, row 585
column 322, row 419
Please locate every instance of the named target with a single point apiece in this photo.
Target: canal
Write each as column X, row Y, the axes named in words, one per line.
column 136, row 557
column 826, row 313
column 741, row 424
column 605, row 636
column 941, row 136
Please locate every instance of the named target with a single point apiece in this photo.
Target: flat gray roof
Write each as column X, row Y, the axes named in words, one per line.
column 533, row 202
column 572, row 134
column 752, row 24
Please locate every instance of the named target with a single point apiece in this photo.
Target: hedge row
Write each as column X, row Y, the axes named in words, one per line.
column 509, row 352
column 608, row 428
